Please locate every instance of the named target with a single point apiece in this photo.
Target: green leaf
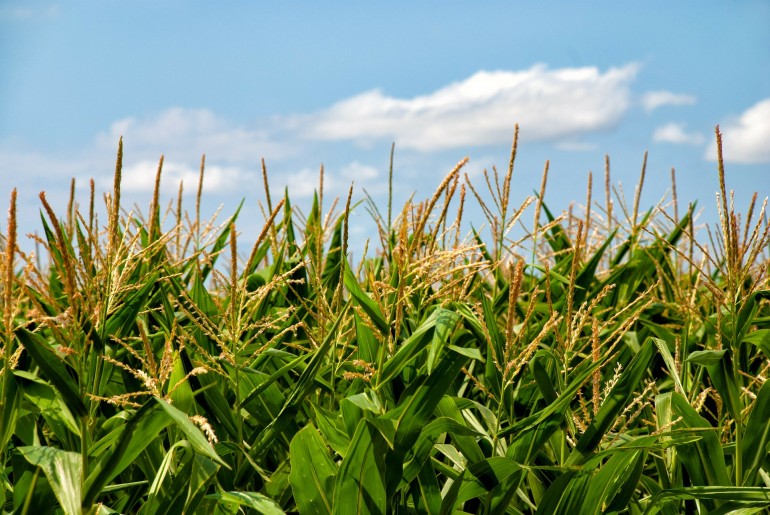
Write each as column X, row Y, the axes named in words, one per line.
column 53, row 368
column 312, row 472
column 330, row 277
column 194, row 434
column 748, row 314
column 299, row 391
column 492, row 471
column 255, row 501
column 123, row 445
column 542, row 377
column 449, row 501
column 668, row 359
column 409, row 349
column 756, row 436
column 430, row 492
column 368, row 346
column 63, row 470
column 421, row 398
column 721, row 373
column 222, row 240
column 124, row 318
column 565, row 495
column 360, row 486
column 445, row 323
column 615, row 402
column 467, row 444
column 182, row 394
column 753, row 496
column 10, row 408
column 51, row 406
column 704, row 459
column 619, row 475
column 760, row 339
column 333, row 429
column 367, row 304
column 706, row 357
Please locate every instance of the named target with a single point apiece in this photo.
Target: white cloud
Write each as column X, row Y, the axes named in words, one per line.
column 358, row 172
column 24, row 11
column 747, row 139
column 302, row 183
column 482, row 109
column 675, row 133
column 187, row 133
column 576, row 146
column 140, row 177
column 655, row 99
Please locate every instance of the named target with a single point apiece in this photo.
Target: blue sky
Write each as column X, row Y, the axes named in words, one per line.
column 303, row 83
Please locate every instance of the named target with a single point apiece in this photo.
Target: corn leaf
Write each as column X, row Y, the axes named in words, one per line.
column 53, row 369
column 63, row 470
column 312, row 472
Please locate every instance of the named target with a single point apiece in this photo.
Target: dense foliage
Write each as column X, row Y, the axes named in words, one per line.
column 605, row 361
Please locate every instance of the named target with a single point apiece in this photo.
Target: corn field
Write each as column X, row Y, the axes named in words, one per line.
column 610, row 359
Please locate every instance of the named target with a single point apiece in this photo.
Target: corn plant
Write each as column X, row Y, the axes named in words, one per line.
column 602, row 360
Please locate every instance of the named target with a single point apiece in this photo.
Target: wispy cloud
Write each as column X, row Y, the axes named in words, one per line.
column 185, row 133
column 304, row 182
column 482, row 109
column 140, row 177
column 747, row 138
column 676, row 133
column 655, row 99
column 28, row 11
column 577, row 146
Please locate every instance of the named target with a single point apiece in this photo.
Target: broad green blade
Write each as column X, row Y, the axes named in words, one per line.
column 194, row 434
column 421, row 398
column 753, row 497
column 52, row 407
column 565, row 495
column 125, row 444
column 256, row 501
column 719, row 366
column 124, row 318
column 53, row 368
column 430, row 492
column 63, row 470
column 330, row 277
column 446, row 321
column 367, row 304
column 409, row 349
column 296, row 397
column 704, row 459
column 220, row 243
column 757, row 436
column 616, row 401
column 619, row 475
column 360, row 487
column 312, row 472
column 10, row 407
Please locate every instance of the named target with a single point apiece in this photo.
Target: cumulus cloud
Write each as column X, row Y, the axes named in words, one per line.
column 655, row 99
column 746, row 139
column 482, row 109
column 676, row 133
